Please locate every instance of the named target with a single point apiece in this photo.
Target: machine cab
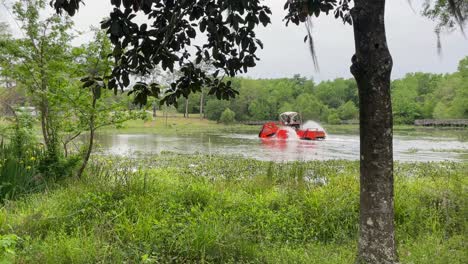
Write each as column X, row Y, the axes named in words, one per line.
column 291, row 119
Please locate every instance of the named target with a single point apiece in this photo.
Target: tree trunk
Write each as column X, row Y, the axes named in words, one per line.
column 201, row 105
column 43, row 110
column 43, row 104
column 186, row 108
column 90, row 142
column 65, row 150
column 372, row 66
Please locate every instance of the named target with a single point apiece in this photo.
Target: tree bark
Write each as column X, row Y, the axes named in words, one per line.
column 372, row 66
column 92, row 129
column 43, row 110
column 201, row 105
column 186, row 108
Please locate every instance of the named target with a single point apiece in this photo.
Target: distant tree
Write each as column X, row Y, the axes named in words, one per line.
column 261, row 109
column 348, row 111
column 452, row 94
column 287, row 107
column 214, row 109
column 309, row 107
column 227, row 117
column 332, row 93
column 333, row 118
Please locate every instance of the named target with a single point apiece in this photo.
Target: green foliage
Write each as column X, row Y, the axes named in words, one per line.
column 416, row 96
column 227, row 117
column 348, row 111
column 214, row 109
column 20, row 159
column 335, row 93
column 50, row 74
column 222, row 209
column 7, row 248
column 40, row 62
column 333, row 118
column 447, row 13
column 260, row 109
column 429, row 96
column 309, row 107
column 177, row 24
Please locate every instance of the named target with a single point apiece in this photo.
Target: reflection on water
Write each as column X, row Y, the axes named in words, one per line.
column 334, row 147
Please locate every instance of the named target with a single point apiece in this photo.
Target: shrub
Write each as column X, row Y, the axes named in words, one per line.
column 348, row 111
column 227, row 117
column 333, row 118
column 214, row 109
column 19, row 159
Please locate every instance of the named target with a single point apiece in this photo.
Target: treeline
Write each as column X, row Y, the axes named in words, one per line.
column 416, row 96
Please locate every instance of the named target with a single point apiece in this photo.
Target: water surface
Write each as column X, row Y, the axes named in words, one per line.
column 406, row 148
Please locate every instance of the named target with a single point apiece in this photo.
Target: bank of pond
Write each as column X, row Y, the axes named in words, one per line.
column 173, row 208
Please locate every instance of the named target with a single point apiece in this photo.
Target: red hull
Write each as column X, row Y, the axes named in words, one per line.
column 271, row 129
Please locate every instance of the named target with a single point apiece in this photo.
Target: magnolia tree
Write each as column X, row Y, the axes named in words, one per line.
column 168, row 35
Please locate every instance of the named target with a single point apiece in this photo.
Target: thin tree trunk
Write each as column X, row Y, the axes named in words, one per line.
column 44, row 108
column 201, row 105
column 65, row 150
column 43, row 111
column 90, row 142
column 372, row 66
column 186, row 108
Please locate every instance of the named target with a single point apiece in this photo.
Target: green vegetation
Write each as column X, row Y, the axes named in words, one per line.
column 180, row 126
column 227, row 117
column 219, row 209
column 416, row 96
column 196, row 209
column 45, row 79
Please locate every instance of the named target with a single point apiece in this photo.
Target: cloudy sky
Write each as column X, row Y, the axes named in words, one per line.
column 411, row 40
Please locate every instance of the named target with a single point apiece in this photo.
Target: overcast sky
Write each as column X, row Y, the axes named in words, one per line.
column 411, row 40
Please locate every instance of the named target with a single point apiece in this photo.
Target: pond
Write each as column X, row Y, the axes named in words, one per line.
column 406, row 148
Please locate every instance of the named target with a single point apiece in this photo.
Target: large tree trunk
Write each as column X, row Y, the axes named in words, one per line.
column 372, row 66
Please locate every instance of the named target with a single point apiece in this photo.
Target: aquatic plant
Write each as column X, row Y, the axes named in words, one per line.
column 225, row 209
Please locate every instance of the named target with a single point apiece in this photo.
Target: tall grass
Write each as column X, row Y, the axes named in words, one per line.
column 196, row 209
column 19, row 159
column 25, row 166
column 18, row 176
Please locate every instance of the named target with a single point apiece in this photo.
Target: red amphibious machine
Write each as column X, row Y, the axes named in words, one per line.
column 290, row 122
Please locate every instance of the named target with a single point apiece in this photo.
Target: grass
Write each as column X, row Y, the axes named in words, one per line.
column 177, row 124
column 180, row 125
column 222, row 209
column 406, row 130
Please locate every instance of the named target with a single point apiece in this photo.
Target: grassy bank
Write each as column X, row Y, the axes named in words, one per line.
column 180, row 125
column 177, row 124
column 407, row 130
column 195, row 209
